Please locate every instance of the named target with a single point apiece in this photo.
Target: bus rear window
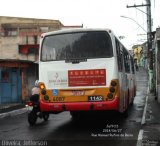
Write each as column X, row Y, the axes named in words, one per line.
column 79, row 45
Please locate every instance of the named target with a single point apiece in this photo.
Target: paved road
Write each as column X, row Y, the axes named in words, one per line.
column 92, row 130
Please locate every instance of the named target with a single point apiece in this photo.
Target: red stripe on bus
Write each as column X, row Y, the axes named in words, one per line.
column 80, row 106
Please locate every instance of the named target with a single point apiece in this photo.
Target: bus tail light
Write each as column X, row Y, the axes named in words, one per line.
column 46, row 97
column 41, row 86
column 110, row 96
column 112, row 89
column 113, row 83
column 43, row 92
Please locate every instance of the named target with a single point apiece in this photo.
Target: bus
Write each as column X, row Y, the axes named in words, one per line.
column 156, row 67
column 84, row 70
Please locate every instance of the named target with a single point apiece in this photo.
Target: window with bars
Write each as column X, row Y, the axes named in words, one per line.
column 9, row 32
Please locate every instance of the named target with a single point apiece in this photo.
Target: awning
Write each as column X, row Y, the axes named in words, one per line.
column 15, row 64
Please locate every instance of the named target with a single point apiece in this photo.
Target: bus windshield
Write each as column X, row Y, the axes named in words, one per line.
column 77, row 45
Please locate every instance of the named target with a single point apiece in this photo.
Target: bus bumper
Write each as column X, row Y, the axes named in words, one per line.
column 79, row 106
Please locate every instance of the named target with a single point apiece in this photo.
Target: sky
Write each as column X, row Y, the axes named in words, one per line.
column 90, row 13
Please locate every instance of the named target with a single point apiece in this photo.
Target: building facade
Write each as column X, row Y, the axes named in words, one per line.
column 140, row 54
column 19, row 52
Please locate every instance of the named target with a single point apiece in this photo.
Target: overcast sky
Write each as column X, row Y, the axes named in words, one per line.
column 90, row 13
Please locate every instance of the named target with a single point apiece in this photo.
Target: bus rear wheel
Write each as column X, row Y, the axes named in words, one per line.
column 45, row 116
column 125, row 113
column 75, row 115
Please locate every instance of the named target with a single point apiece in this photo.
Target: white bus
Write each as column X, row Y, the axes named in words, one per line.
column 85, row 70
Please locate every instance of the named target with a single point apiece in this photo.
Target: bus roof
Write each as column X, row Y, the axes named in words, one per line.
column 75, row 30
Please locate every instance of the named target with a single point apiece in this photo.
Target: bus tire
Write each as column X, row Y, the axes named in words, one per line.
column 125, row 113
column 75, row 115
column 156, row 95
column 132, row 102
column 32, row 118
column 45, row 116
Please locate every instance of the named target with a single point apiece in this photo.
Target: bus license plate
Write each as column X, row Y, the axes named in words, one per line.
column 95, row 98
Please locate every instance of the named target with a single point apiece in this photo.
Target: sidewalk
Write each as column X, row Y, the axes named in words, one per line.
column 12, row 109
column 151, row 125
column 9, row 107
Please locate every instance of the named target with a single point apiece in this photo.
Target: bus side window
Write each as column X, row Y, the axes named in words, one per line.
column 119, row 56
column 126, row 61
column 132, row 65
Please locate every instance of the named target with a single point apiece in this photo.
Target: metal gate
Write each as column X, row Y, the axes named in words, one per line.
column 10, row 85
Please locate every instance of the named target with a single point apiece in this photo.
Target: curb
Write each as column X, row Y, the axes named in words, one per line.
column 14, row 112
column 143, row 122
column 145, row 110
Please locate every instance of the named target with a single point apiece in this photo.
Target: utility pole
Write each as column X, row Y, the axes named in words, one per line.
column 149, row 41
column 150, row 51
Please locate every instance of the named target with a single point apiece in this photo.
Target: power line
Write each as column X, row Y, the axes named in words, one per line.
column 138, row 5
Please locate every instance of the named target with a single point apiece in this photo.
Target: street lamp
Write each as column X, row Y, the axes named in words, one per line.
column 134, row 21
